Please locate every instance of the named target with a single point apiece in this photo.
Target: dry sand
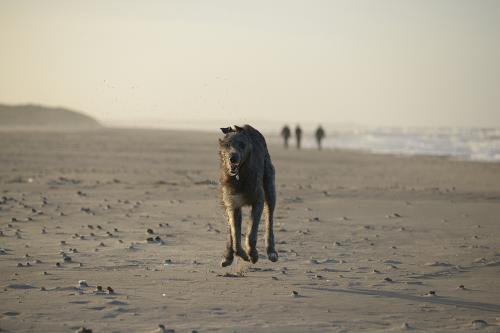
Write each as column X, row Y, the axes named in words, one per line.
column 367, row 242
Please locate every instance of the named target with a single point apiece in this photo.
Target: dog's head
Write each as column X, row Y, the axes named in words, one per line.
column 234, row 149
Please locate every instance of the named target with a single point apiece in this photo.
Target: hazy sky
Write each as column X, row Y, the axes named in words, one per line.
column 392, row 63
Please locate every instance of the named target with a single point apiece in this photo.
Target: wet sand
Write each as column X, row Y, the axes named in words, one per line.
column 367, row 243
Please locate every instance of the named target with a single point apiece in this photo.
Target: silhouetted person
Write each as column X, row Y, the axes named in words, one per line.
column 320, row 135
column 286, row 134
column 298, row 135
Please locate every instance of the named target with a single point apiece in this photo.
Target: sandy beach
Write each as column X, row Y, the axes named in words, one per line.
column 367, row 243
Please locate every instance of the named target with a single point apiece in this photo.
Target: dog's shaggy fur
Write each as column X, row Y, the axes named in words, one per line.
column 247, row 178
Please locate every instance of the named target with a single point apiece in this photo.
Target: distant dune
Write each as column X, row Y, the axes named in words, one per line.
column 40, row 117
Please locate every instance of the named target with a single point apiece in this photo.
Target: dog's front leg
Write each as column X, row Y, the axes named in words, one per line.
column 251, row 245
column 228, row 252
column 234, row 219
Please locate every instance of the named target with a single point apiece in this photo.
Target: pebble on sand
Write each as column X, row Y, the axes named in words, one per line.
column 163, row 329
column 478, row 323
column 82, row 283
column 83, row 330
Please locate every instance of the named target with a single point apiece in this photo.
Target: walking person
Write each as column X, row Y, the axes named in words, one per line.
column 298, row 135
column 320, row 135
column 286, row 134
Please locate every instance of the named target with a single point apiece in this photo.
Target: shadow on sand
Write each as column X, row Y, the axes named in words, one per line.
column 433, row 299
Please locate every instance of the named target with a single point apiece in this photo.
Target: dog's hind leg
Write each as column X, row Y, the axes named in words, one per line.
column 270, row 196
column 251, row 245
column 234, row 219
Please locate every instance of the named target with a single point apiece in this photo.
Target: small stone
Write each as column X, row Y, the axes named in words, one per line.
column 405, row 326
column 83, row 330
column 462, row 287
column 388, row 279
column 163, row 329
column 82, row 283
column 479, row 323
column 58, row 264
column 110, row 290
column 63, row 242
column 42, row 289
column 20, row 264
column 67, row 259
column 98, row 289
column 295, row 293
column 150, row 231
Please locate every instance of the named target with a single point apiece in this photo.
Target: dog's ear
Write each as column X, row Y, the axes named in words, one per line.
column 226, row 130
column 238, row 129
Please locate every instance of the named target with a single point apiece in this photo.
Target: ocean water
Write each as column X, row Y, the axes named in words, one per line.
column 475, row 144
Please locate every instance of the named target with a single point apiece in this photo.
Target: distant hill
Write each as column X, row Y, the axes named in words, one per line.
column 31, row 116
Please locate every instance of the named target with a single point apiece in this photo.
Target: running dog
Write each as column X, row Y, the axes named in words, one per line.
column 247, row 179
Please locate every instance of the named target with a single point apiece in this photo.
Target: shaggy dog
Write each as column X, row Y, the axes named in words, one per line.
column 247, row 179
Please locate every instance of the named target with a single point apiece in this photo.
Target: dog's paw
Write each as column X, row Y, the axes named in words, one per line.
column 254, row 256
column 272, row 256
column 226, row 262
